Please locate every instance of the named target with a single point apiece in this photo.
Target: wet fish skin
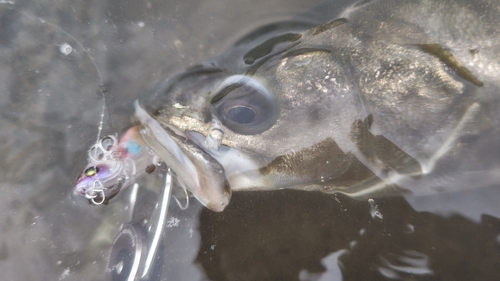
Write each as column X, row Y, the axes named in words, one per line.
column 387, row 93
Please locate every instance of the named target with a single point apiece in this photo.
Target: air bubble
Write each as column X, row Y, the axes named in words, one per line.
column 374, row 211
column 65, row 49
column 119, row 268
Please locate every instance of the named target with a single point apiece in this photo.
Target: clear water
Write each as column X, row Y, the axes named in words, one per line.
column 55, row 55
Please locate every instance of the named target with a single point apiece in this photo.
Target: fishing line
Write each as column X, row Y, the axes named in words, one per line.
column 102, row 90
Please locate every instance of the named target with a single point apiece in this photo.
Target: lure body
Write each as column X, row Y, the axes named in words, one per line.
column 113, row 165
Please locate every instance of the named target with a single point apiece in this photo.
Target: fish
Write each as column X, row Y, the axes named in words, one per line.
column 389, row 97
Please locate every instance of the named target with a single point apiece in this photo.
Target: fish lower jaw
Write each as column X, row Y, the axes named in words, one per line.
column 195, row 169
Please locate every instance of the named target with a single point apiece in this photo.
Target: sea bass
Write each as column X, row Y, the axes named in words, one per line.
column 389, row 95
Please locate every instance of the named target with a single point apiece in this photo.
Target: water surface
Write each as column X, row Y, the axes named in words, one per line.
column 55, row 56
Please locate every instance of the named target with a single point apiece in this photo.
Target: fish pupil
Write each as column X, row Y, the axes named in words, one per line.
column 242, row 114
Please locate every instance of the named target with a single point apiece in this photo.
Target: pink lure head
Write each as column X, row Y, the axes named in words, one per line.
column 113, row 165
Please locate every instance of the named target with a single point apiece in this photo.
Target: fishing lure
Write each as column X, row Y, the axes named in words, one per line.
column 113, row 165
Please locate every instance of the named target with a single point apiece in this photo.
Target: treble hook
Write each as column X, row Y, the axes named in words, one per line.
column 187, row 200
column 102, row 201
column 93, row 192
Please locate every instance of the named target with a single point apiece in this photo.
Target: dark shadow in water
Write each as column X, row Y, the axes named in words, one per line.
column 276, row 235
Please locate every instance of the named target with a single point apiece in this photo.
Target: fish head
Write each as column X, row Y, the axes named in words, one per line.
column 271, row 125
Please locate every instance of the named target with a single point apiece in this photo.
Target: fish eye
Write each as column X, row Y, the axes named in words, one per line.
column 244, row 105
column 91, row 171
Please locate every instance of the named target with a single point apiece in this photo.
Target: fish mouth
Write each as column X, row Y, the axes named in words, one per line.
column 196, row 170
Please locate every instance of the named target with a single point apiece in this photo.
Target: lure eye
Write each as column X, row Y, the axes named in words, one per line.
column 244, row 105
column 91, row 171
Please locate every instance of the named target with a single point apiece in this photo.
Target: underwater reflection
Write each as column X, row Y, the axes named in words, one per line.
column 294, row 235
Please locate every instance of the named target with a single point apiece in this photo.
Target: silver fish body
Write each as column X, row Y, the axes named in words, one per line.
column 388, row 93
